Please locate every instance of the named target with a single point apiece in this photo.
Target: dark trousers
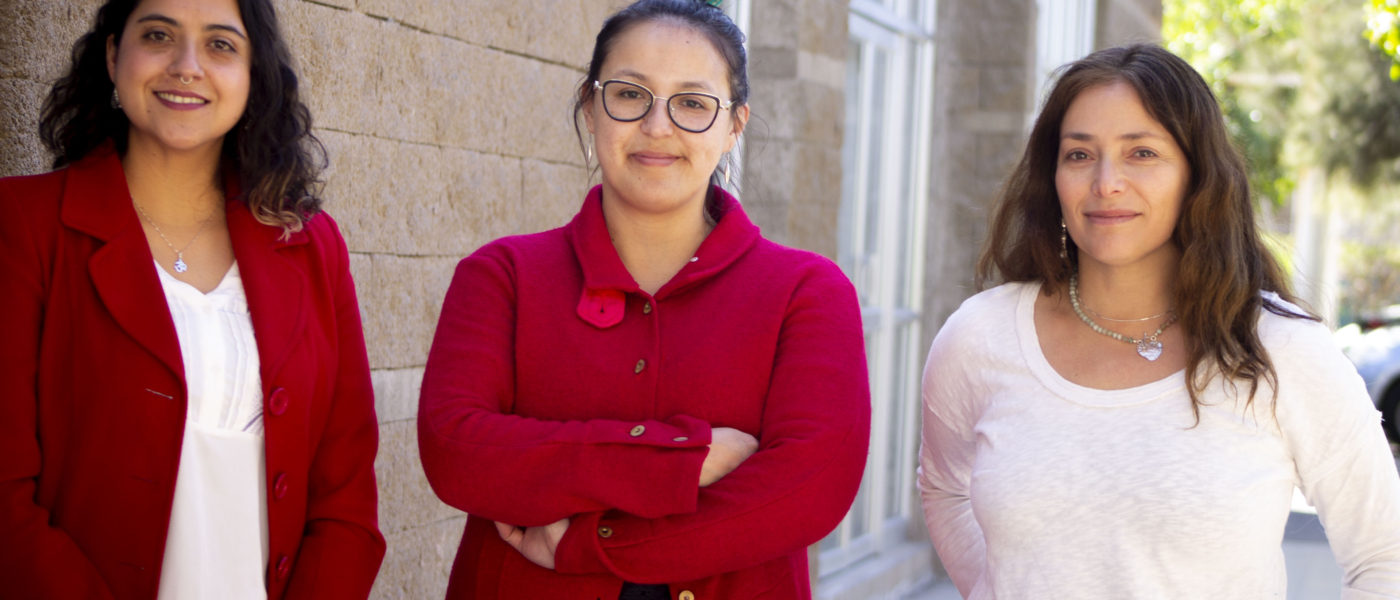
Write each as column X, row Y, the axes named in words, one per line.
column 639, row 591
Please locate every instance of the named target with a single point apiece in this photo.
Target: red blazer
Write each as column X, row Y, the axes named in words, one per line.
column 557, row 388
column 92, row 397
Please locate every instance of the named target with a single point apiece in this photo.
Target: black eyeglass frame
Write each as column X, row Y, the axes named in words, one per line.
column 599, row 86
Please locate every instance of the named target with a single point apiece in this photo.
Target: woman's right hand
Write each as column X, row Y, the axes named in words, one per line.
column 729, row 448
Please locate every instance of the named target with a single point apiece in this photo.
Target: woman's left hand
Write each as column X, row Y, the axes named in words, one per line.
column 535, row 543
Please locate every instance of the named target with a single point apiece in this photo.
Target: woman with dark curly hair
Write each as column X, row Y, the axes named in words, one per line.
column 185, row 409
column 1128, row 414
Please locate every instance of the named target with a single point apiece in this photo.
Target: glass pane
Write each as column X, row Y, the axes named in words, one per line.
column 832, row 540
column 846, row 220
column 903, row 392
column 860, row 510
column 879, row 68
column 903, row 203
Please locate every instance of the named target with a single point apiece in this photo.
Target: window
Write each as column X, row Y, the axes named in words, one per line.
column 889, row 75
column 1064, row 33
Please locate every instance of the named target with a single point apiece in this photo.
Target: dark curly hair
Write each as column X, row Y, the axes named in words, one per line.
column 705, row 17
column 277, row 158
column 1224, row 263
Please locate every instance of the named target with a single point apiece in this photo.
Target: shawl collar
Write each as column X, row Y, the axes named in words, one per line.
column 97, row 202
column 605, row 279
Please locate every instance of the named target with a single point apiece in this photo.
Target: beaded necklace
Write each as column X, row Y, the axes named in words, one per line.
column 1148, row 346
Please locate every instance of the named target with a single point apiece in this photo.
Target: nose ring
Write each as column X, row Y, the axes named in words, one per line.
column 186, row 81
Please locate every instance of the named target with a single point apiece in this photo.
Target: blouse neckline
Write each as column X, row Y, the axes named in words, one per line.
column 1069, row 390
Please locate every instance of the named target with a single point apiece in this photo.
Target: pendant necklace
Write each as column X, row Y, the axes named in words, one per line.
column 1148, row 346
column 179, row 265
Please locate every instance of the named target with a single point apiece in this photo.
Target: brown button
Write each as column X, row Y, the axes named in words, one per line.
column 277, row 404
column 641, row 364
column 605, row 532
column 646, row 308
column 638, row 430
column 680, row 439
column 284, row 567
column 686, row 595
column 279, row 486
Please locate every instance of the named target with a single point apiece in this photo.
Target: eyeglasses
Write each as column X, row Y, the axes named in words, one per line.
column 692, row 111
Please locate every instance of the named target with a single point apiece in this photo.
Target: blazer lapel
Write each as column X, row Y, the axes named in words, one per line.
column 275, row 284
column 96, row 202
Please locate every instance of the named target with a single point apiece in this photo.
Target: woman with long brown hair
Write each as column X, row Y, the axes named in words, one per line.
column 1127, row 415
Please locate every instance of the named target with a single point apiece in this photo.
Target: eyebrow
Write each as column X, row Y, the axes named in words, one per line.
column 1084, row 137
column 684, row 84
column 173, row 23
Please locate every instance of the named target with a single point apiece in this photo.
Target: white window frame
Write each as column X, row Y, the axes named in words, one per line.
column 1064, row 33
column 739, row 11
column 904, row 29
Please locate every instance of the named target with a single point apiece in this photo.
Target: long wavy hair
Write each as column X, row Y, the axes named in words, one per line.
column 708, row 19
column 1224, row 264
column 277, row 159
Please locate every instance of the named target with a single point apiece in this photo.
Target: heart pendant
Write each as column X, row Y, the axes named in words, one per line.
column 1149, row 349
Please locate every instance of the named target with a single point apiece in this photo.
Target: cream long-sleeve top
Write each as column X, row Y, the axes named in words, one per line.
column 1036, row 487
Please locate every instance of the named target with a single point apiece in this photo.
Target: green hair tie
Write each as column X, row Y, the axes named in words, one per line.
column 714, row 3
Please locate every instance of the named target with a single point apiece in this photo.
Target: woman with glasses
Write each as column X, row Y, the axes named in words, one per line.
column 651, row 401
column 185, row 401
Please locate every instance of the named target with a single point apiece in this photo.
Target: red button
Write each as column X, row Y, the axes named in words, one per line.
column 284, row 567
column 277, row 404
column 279, row 486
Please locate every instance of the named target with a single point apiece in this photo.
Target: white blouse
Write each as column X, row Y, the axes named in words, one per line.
column 217, row 543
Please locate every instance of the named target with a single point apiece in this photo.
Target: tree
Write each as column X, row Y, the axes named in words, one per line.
column 1383, row 29
column 1222, row 39
column 1309, row 92
column 1299, row 83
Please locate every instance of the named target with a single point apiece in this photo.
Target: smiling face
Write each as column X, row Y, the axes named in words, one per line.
column 1121, row 179
column 650, row 164
column 182, row 71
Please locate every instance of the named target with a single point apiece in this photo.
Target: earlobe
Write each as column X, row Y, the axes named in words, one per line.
column 586, row 103
column 741, row 120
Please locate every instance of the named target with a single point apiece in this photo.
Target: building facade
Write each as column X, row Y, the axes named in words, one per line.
column 881, row 133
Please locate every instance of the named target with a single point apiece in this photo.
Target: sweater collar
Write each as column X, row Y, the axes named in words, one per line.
column 602, row 268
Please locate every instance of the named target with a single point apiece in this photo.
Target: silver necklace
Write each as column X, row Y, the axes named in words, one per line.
column 1101, row 316
column 1148, row 346
column 179, row 266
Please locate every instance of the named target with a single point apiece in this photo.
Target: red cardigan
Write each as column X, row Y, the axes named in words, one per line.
column 92, row 397
column 556, row 388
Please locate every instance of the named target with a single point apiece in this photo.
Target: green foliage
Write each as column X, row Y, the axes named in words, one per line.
column 1221, row 39
column 1299, row 83
column 1383, row 29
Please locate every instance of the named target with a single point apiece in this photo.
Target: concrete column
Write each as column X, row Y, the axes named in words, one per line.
column 792, row 170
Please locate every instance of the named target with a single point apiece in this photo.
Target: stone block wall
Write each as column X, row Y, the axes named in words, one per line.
column 447, row 125
column 792, row 178
column 983, row 93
